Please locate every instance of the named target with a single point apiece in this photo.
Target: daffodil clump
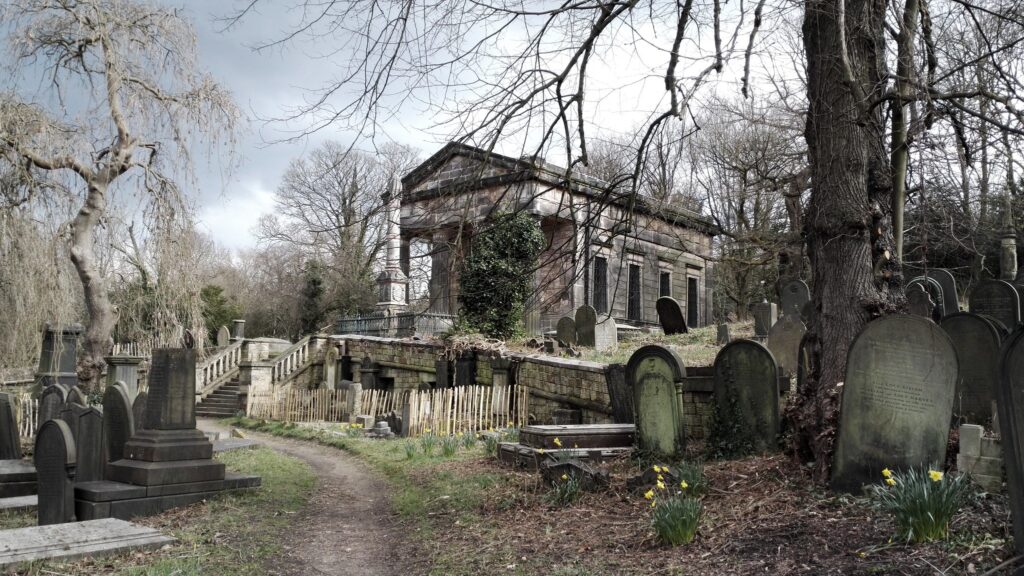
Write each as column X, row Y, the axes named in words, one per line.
column 921, row 502
column 410, row 449
column 428, row 442
column 676, row 511
column 565, row 490
column 449, row 446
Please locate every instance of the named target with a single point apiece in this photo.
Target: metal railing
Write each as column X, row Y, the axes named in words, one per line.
column 398, row 325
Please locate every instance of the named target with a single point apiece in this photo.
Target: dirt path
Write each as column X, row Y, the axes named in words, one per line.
column 347, row 527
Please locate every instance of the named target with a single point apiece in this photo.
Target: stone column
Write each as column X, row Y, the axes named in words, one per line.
column 237, row 330
column 1008, row 245
column 440, row 261
column 392, row 282
column 124, row 369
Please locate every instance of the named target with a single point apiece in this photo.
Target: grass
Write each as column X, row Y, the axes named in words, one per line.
column 231, row 535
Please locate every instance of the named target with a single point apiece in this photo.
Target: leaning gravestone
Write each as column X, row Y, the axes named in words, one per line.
column 977, row 345
column 998, row 299
column 897, row 400
column 606, row 335
column 656, row 376
column 51, row 402
column 586, row 323
column 795, row 296
column 670, row 315
column 919, row 301
column 566, row 331
column 223, row 337
column 10, row 438
column 118, row 421
column 55, row 461
column 784, row 342
column 1011, row 420
column 89, row 446
column 746, row 386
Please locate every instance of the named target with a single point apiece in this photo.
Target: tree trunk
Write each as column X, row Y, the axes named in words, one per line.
column 102, row 316
column 850, row 242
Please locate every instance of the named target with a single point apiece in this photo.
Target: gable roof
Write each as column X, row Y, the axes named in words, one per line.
column 512, row 170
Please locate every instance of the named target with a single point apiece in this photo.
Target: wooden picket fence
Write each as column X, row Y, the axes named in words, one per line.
column 26, row 410
column 298, row 405
column 466, row 409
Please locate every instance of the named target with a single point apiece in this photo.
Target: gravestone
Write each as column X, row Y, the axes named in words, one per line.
column 897, row 400
column 223, row 337
column 566, row 331
column 89, row 446
column 723, row 337
column 10, row 438
column 977, row 345
column 795, row 296
column 70, row 415
column 919, row 301
column 606, row 334
column 803, row 361
column 330, row 367
column 998, row 299
column 51, row 402
column 118, row 421
column 58, row 356
column 139, row 410
column 619, row 394
column 1010, row 403
column 950, row 304
column 670, row 315
column 784, row 342
column 124, row 369
column 765, row 316
column 656, row 376
column 586, row 324
column 55, row 460
column 76, row 396
column 746, row 386
column 934, row 290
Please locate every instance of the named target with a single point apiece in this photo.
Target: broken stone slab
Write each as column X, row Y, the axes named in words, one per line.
column 76, row 540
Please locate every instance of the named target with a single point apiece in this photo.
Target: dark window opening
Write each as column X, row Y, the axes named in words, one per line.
column 692, row 317
column 633, row 293
column 600, row 285
column 666, row 284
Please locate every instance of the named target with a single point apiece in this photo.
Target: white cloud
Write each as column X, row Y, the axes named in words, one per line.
column 230, row 219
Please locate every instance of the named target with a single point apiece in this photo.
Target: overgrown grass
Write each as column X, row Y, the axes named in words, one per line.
column 922, row 503
column 230, row 535
column 675, row 519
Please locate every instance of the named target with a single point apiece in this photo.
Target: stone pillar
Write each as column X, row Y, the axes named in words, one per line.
column 440, row 261
column 58, row 358
column 254, row 373
column 237, row 330
column 124, row 369
column 1008, row 245
column 392, row 282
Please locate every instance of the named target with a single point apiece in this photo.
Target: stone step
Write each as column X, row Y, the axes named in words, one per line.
column 220, row 400
column 224, row 395
column 76, row 540
column 216, row 412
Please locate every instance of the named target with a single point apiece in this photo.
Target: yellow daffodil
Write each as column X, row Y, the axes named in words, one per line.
column 426, row 430
column 541, row 450
column 558, row 442
column 649, row 494
column 660, row 485
column 565, row 476
column 653, row 503
column 684, row 485
column 890, row 481
column 657, row 468
column 887, row 473
column 935, row 475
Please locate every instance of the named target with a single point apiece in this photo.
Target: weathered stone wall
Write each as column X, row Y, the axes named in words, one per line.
column 554, row 383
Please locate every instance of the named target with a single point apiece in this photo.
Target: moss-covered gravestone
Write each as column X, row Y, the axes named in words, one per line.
column 1011, row 422
column 897, row 400
column 55, row 460
column 795, row 296
column 656, row 376
column 566, row 330
column 784, row 341
column 998, row 299
column 977, row 345
column 747, row 394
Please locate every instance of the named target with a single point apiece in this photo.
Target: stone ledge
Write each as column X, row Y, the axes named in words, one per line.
column 76, row 540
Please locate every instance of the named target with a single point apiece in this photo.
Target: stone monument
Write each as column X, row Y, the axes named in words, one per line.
column 977, row 345
column 656, row 376
column 670, row 315
column 784, row 342
column 565, row 331
column 1011, row 421
column 746, row 384
column 59, row 354
column 998, row 299
column 794, row 297
column 55, row 466
column 586, row 324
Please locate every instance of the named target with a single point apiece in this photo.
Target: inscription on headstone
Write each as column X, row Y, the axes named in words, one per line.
column 656, row 375
column 747, row 387
column 55, row 469
column 977, row 346
column 172, row 390
column 118, row 421
column 897, row 400
column 670, row 315
column 10, row 438
column 586, row 324
column 998, row 299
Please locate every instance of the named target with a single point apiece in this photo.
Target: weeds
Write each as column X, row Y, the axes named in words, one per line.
column 449, row 446
column 675, row 519
column 428, row 442
column 922, row 503
column 410, row 449
column 565, row 491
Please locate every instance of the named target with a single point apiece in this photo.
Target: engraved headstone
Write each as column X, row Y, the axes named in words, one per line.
column 946, row 281
column 935, row 292
column 670, row 315
column 10, row 438
column 118, row 421
column 977, row 345
column 795, row 296
column 566, row 331
column 51, row 402
column 784, row 342
column 223, row 337
column 765, row 316
column 90, row 449
column 1011, row 421
column 172, row 388
column 656, row 376
column 606, row 335
column 746, row 386
column 55, row 461
column 723, row 337
column 139, row 410
column 919, row 301
column 897, row 400
column 586, row 323
column 998, row 299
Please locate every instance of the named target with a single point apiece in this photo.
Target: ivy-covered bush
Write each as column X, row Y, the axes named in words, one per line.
column 497, row 276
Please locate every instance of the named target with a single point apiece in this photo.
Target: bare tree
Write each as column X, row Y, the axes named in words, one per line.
column 126, row 102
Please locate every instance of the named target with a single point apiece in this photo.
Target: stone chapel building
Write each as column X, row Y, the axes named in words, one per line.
column 617, row 253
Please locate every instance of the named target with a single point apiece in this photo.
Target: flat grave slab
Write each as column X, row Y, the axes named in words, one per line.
column 17, row 471
column 529, row 458
column 19, row 503
column 578, row 435
column 76, row 540
column 230, row 444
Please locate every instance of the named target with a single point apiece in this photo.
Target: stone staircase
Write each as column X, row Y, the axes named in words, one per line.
column 221, row 403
